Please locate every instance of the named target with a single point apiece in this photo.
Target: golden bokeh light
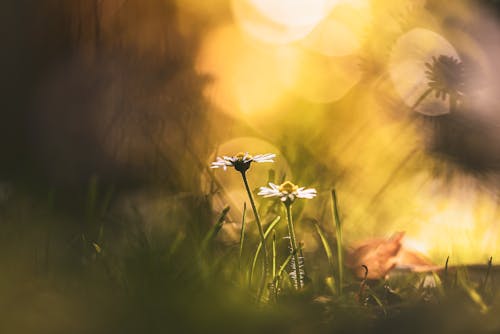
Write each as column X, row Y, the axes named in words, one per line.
column 262, row 63
column 245, row 77
column 294, row 12
column 278, row 21
column 341, row 33
column 318, row 78
column 458, row 220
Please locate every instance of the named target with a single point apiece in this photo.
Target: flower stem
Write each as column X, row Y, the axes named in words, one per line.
column 274, row 255
column 293, row 245
column 242, row 234
column 421, row 98
column 338, row 233
column 259, row 225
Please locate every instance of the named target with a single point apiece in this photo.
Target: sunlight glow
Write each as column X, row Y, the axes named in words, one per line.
column 264, row 62
column 279, row 21
column 318, row 78
column 294, row 12
column 459, row 221
column 245, row 77
column 342, row 32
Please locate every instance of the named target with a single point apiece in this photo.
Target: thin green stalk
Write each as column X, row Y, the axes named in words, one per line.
column 490, row 262
column 439, row 284
column 274, row 254
column 362, row 286
column 338, row 232
column 179, row 238
column 259, row 225
column 421, row 98
column 293, row 245
column 242, row 233
column 259, row 247
column 474, row 295
column 377, row 300
column 209, row 237
column 214, row 230
column 273, row 290
column 326, row 247
column 446, row 272
column 284, row 264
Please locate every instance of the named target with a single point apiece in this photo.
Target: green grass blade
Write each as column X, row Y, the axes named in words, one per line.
column 274, row 254
column 285, row 263
column 206, row 270
column 326, row 246
column 464, row 282
column 377, row 300
column 214, row 230
column 439, row 284
column 276, row 278
column 445, row 275
column 475, row 296
column 242, row 233
column 338, row 232
column 179, row 238
column 259, row 247
column 331, row 284
column 486, row 277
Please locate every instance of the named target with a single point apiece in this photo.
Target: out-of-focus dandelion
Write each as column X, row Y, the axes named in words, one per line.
column 242, row 162
column 446, row 78
column 423, row 62
column 288, row 193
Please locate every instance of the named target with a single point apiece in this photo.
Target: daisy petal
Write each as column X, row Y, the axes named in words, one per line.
column 268, row 192
column 274, row 186
column 268, row 157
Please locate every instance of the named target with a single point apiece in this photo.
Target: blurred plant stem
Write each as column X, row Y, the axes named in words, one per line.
column 242, row 233
column 338, row 232
column 259, row 247
column 421, row 98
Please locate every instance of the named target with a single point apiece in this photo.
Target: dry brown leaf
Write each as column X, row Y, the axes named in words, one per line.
column 379, row 255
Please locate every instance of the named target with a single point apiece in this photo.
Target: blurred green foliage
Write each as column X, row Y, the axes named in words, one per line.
column 119, row 273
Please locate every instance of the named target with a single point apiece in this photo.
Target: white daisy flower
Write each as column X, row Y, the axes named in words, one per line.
column 241, row 161
column 287, row 192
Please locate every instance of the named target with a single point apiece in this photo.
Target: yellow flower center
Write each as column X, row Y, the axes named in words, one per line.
column 288, row 187
column 242, row 155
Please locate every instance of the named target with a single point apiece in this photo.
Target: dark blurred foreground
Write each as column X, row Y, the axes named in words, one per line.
column 124, row 276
